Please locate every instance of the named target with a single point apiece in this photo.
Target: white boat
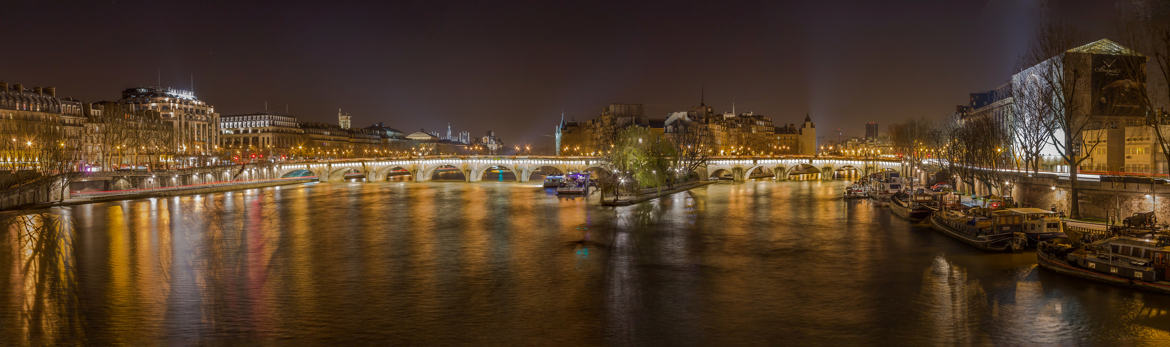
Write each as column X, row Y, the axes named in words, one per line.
column 855, row 191
column 883, row 185
column 1037, row 224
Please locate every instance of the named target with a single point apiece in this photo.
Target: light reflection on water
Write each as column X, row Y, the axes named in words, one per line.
column 442, row 263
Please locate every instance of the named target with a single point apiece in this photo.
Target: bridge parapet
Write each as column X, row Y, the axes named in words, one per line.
column 742, row 168
column 473, row 167
column 422, row 169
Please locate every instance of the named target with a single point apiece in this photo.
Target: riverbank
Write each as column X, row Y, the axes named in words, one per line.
column 78, row 199
column 657, row 194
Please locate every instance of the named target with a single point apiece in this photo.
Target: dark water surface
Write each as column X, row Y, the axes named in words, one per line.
column 499, row 263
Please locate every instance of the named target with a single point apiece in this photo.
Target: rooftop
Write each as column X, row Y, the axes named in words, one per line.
column 1104, row 46
column 158, row 92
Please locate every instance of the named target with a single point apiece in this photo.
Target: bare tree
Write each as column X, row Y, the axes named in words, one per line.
column 692, row 141
column 988, row 150
column 914, row 140
column 1056, row 83
column 953, row 151
column 122, row 135
column 47, row 157
column 38, row 150
column 110, row 133
column 1030, row 124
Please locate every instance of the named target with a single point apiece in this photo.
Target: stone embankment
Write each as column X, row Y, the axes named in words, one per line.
column 1104, row 200
column 41, row 197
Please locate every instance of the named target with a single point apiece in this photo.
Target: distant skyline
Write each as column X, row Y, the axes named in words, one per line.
column 512, row 67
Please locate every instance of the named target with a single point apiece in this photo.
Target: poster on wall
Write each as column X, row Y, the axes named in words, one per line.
column 1118, row 85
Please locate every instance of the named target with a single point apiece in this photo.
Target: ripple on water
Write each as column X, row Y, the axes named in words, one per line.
column 499, row 263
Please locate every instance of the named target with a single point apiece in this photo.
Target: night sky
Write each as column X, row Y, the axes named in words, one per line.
column 513, row 67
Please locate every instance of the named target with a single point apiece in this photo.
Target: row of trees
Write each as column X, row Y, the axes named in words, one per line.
column 978, row 149
column 1056, row 108
column 49, row 151
column 125, row 136
column 36, row 149
column 1050, row 96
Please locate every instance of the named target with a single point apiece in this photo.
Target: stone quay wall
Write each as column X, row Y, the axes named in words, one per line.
column 1106, row 201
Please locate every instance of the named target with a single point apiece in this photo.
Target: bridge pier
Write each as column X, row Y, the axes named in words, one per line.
column 522, row 174
column 421, row 177
column 474, row 175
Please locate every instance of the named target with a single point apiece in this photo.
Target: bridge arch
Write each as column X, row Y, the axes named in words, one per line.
column 339, row 174
column 121, row 183
column 543, row 170
column 298, row 173
column 431, row 174
column 804, row 169
column 758, row 168
column 847, row 172
column 597, row 173
column 394, row 172
column 722, row 173
column 481, row 174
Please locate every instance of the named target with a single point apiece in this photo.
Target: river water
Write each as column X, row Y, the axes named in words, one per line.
column 504, row 263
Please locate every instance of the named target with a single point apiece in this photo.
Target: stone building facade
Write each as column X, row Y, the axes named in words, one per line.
column 267, row 132
column 120, row 136
column 1108, row 81
column 39, row 128
column 194, row 122
column 596, row 136
column 731, row 134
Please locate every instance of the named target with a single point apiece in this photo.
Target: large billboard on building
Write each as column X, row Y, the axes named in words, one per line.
column 1118, row 85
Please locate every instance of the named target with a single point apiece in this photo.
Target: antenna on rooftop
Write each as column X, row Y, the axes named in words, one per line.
column 160, row 78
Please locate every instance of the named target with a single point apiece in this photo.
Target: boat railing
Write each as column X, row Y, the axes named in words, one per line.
column 1121, row 260
column 1088, row 233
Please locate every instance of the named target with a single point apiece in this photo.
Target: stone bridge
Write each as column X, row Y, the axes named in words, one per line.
column 473, row 168
column 741, row 169
column 423, row 169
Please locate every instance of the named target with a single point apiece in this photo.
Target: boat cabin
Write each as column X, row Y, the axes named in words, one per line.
column 1146, row 259
column 1033, row 220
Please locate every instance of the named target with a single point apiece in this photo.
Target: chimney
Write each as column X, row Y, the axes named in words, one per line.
column 17, row 87
column 51, row 91
column 37, row 90
column 3, row 86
